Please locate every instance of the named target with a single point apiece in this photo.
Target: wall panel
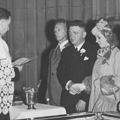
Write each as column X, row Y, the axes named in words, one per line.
column 112, row 8
column 76, row 9
column 40, row 31
column 87, row 12
column 31, row 45
column 63, row 10
column 18, row 4
column 3, row 3
column 102, row 8
column 19, row 44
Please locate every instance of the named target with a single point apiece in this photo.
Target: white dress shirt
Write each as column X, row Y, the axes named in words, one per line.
column 62, row 45
column 79, row 46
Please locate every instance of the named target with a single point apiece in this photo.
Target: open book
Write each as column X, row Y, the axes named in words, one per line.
column 22, row 61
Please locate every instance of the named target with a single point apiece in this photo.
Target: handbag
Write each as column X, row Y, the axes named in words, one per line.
column 108, row 86
column 88, row 83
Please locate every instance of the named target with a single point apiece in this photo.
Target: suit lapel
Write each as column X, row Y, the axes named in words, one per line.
column 67, row 44
column 83, row 46
column 54, row 58
column 82, row 55
column 52, row 55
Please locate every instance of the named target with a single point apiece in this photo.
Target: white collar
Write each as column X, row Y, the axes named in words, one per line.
column 62, row 45
column 4, row 51
column 79, row 46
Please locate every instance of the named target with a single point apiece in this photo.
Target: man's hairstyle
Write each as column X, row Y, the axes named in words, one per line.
column 79, row 23
column 4, row 14
column 61, row 20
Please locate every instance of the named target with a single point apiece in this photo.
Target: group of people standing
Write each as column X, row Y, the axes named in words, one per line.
column 82, row 77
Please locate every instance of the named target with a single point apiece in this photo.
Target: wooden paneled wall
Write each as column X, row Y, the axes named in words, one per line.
column 32, row 24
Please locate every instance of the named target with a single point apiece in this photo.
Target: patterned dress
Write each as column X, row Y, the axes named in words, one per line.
column 6, row 86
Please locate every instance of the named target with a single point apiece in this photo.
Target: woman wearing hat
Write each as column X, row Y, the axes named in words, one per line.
column 105, row 92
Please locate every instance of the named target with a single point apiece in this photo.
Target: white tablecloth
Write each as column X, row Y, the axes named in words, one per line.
column 42, row 110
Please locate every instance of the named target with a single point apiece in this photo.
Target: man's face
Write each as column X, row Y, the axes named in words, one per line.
column 76, row 35
column 60, row 32
column 5, row 26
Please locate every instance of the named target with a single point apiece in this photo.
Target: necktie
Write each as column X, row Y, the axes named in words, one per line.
column 76, row 49
column 57, row 52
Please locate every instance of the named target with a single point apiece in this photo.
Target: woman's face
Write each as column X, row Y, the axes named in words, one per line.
column 101, row 40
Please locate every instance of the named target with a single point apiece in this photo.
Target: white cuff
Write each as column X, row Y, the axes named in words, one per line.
column 67, row 84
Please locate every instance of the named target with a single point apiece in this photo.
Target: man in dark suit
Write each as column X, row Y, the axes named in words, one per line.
column 74, row 67
column 54, row 88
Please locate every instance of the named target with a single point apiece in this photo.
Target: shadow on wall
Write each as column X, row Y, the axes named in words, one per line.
column 116, row 30
column 90, row 37
column 49, row 31
column 115, row 24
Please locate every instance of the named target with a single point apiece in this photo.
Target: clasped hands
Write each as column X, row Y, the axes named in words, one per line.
column 76, row 88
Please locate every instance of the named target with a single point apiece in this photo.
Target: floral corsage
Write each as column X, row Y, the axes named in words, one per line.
column 82, row 51
column 104, row 53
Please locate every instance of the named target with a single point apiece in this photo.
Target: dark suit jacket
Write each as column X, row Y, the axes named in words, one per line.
column 17, row 75
column 73, row 67
column 54, row 88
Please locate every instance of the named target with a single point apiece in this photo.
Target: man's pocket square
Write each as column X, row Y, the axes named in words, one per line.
column 86, row 58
